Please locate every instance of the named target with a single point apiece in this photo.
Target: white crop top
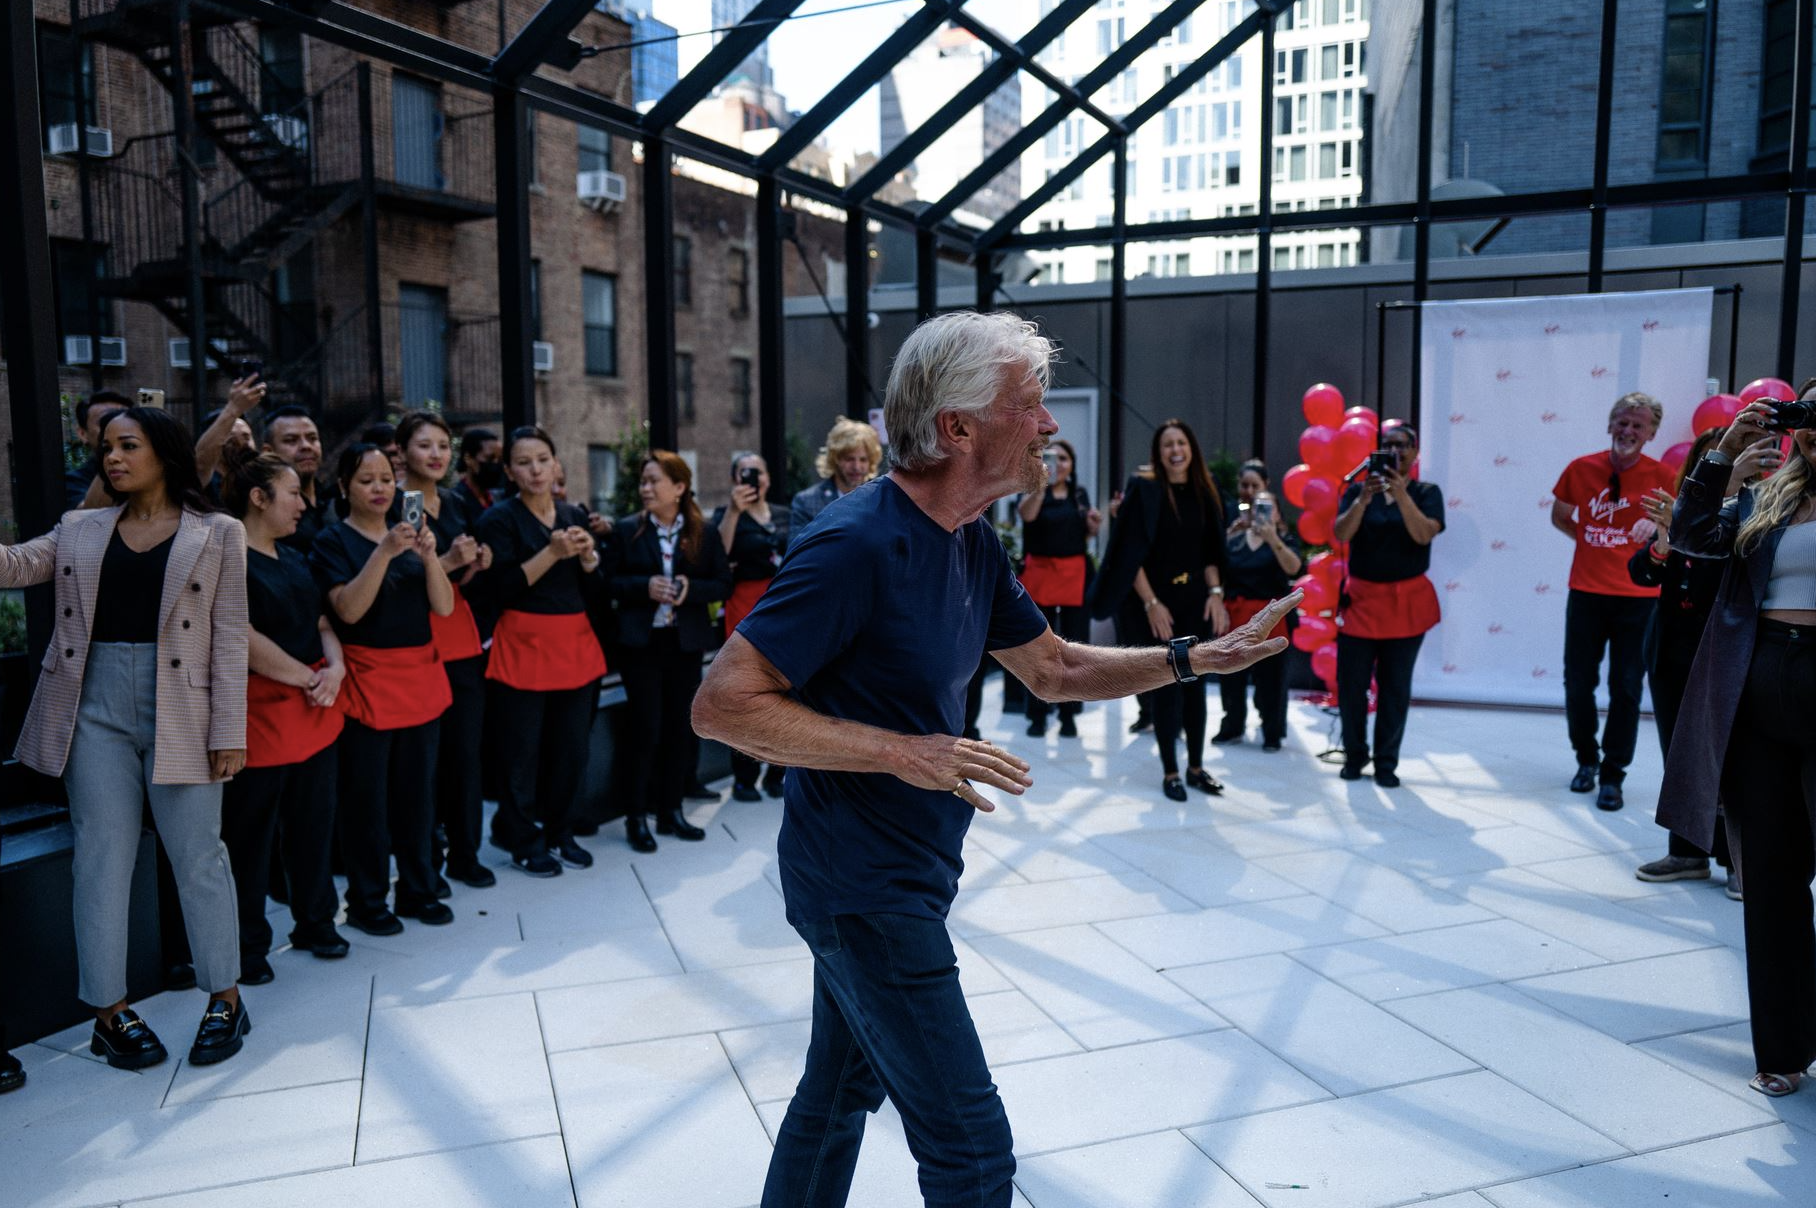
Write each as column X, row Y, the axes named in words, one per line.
column 1793, row 581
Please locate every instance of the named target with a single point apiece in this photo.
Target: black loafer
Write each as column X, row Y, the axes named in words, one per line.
column 537, row 864
column 1224, row 738
column 473, row 876
column 1386, row 780
column 1610, row 798
column 1067, row 728
column 255, row 970
column 12, row 1074
column 699, row 792
column 636, row 831
column 382, row 923
column 1351, row 771
column 127, row 1042
column 1037, row 729
column 431, row 913
column 324, row 942
column 676, row 824
column 1272, row 744
column 1141, row 725
column 1204, row 782
column 442, row 888
column 1173, row 788
column 1584, row 780
column 222, row 1034
column 572, row 854
column 746, row 793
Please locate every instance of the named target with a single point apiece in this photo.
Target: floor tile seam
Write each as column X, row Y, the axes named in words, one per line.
column 1615, row 964
column 674, row 950
column 1228, row 1173
column 968, row 935
column 273, row 1090
column 1577, row 943
column 430, row 1153
column 1486, row 1189
column 365, row 1066
column 1034, row 1002
column 806, row 1015
column 743, row 1084
column 620, row 981
column 567, row 1159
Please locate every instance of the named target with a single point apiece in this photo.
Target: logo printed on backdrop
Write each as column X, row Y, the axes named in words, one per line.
column 1458, row 417
column 1498, row 546
column 1649, row 325
column 1504, row 460
column 1453, row 585
column 1450, row 668
column 1550, row 417
column 1541, row 589
column 1497, row 628
column 1456, row 333
column 1539, row 673
column 1455, row 502
column 1552, row 329
column 1600, row 371
column 1503, row 375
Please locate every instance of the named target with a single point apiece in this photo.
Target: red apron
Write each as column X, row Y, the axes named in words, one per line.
column 1055, row 582
column 282, row 727
column 537, row 652
column 1243, row 611
column 394, row 688
column 744, row 596
column 1404, row 608
column 455, row 636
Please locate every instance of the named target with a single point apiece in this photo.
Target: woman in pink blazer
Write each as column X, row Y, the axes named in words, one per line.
column 143, row 694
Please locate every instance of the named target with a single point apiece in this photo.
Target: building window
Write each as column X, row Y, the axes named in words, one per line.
column 77, row 267
column 1283, row 115
column 1327, row 111
column 684, row 385
column 737, row 280
column 684, row 271
column 740, row 390
column 602, row 477
column 1297, row 159
column 1683, row 103
column 535, row 299
column 1328, row 68
column 66, row 80
column 1327, row 161
column 281, row 84
column 595, row 149
column 600, row 303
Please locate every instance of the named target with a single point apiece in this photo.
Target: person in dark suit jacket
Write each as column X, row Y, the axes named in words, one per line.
column 669, row 568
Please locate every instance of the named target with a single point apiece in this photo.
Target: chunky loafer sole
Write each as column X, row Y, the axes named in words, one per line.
column 134, row 1058
column 223, row 1045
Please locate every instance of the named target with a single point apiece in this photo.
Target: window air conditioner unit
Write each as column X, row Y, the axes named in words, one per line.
column 291, row 131
column 79, row 350
column 542, row 353
column 180, row 358
column 113, row 350
column 63, row 140
column 603, row 191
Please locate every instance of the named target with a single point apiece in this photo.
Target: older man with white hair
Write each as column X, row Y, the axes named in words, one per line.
column 861, row 690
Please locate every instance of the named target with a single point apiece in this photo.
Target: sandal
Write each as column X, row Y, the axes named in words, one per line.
column 1775, row 1086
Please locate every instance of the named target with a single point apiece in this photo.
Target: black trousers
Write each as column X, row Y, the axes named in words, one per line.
column 660, row 681
column 1769, row 791
column 459, row 794
column 386, row 809
column 540, row 742
column 1074, row 625
column 1179, row 707
column 1388, row 662
column 1594, row 623
column 745, row 770
column 1269, row 678
column 302, row 795
column 1670, row 675
column 1131, row 628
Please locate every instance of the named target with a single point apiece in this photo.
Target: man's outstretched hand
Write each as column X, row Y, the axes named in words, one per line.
column 1246, row 644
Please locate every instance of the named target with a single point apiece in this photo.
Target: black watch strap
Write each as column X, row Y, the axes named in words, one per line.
column 1179, row 658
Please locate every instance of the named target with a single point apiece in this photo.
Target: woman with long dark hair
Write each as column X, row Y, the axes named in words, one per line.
column 669, row 569
column 754, row 535
column 1743, row 739
column 382, row 582
column 427, row 447
column 1058, row 524
column 293, row 722
column 1262, row 565
column 545, row 665
column 1164, row 568
column 143, row 696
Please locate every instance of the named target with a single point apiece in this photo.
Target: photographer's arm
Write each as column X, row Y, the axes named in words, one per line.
column 1421, row 528
column 1350, row 522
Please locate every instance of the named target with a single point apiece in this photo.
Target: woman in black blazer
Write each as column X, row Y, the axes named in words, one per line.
column 669, row 568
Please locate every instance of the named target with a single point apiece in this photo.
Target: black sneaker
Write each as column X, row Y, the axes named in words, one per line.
column 746, row 793
column 323, row 942
column 699, row 792
column 382, row 923
column 431, row 913
column 1224, row 738
column 537, row 864
column 12, row 1074
column 1584, row 780
column 1068, row 728
column 127, row 1042
column 1609, row 798
column 473, row 876
column 222, row 1034
column 572, row 854
column 1351, row 771
column 1386, row 779
column 255, row 970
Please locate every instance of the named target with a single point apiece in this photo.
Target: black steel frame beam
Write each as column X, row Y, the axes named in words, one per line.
column 1028, row 63
column 968, row 98
column 1119, row 306
column 1200, row 67
column 1264, row 245
column 1421, row 231
column 511, row 167
column 719, row 62
column 659, row 290
column 531, row 46
column 1604, row 142
column 772, row 413
column 857, row 313
column 1160, row 25
column 1796, row 201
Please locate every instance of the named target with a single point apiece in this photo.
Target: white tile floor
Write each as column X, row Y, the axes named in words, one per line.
column 1306, row 993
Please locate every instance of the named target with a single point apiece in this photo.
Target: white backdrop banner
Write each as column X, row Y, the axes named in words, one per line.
column 1513, row 390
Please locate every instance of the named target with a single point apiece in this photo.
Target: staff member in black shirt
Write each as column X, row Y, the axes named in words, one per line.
column 754, row 536
column 482, row 478
column 1262, row 566
column 426, row 444
column 545, row 665
column 292, row 722
column 382, row 582
column 1057, row 526
column 1387, row 605
column 290, row 432
column 669, row 569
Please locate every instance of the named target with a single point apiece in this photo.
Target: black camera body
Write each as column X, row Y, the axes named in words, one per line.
column 1791, row 416
column 1383, row 461
column 252, row 367
column 750, row 477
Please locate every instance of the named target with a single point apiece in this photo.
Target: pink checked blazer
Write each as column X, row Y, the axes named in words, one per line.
column 202, row 638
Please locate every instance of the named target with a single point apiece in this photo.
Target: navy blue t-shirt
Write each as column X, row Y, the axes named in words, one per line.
column 878, row 615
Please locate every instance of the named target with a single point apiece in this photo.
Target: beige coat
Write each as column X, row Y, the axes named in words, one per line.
column 202, row 639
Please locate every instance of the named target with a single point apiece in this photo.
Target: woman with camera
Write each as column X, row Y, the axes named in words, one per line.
column 1165, row 563
column 546, row 663
column 427, row 445
column 1388, row 605
column 382, row 582
column 1262, row 566
column 143, row 696
column 754, row 536
column 669, row 569
column 1057, row 527
column 1743, row 737
column 293, row 722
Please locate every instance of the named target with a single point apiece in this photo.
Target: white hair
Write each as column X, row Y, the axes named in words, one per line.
column 958, row 361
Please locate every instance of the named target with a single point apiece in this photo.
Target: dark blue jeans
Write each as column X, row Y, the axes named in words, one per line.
column 889, row 1020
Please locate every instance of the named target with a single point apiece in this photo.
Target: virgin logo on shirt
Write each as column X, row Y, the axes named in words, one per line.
column 1605, row 509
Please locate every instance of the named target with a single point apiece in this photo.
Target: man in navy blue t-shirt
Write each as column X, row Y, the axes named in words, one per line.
column 851, row 671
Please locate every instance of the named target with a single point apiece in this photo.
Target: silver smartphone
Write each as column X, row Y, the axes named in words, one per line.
column 1264, row 511
column 151, row 398
column 413, row 509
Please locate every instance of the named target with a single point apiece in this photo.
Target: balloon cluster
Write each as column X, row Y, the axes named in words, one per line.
column 1719, row 410
column 1336, row 441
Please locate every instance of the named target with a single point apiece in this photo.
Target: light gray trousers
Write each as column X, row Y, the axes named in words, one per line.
column 108, row 778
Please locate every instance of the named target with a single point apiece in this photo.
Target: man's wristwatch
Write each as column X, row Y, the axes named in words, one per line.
column 1179, row 658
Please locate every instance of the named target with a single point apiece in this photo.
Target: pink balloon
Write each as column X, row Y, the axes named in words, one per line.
column 1315, row 528
column 1355, row 441
column 1766, row 387
column 1292, row 484
column 1716, row 411
column 1313, row 634
column 1318, row 595
column 1324, row 665
column 1321, row 494
column 1317, row 448
column 1673, row 458
column 1365, row 414
column 1323, row 405
column 1329, row 569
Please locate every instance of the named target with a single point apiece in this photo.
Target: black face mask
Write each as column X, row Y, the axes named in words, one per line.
column 489, row 474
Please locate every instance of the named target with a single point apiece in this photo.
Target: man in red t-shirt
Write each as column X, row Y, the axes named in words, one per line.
column 1599, row 503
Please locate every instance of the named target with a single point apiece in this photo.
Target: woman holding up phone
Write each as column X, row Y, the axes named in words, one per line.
column 427, row 445
column 1058, row 524
column 542, row 680
column 1263, row 563
column 382, row 582
column 754, row 536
